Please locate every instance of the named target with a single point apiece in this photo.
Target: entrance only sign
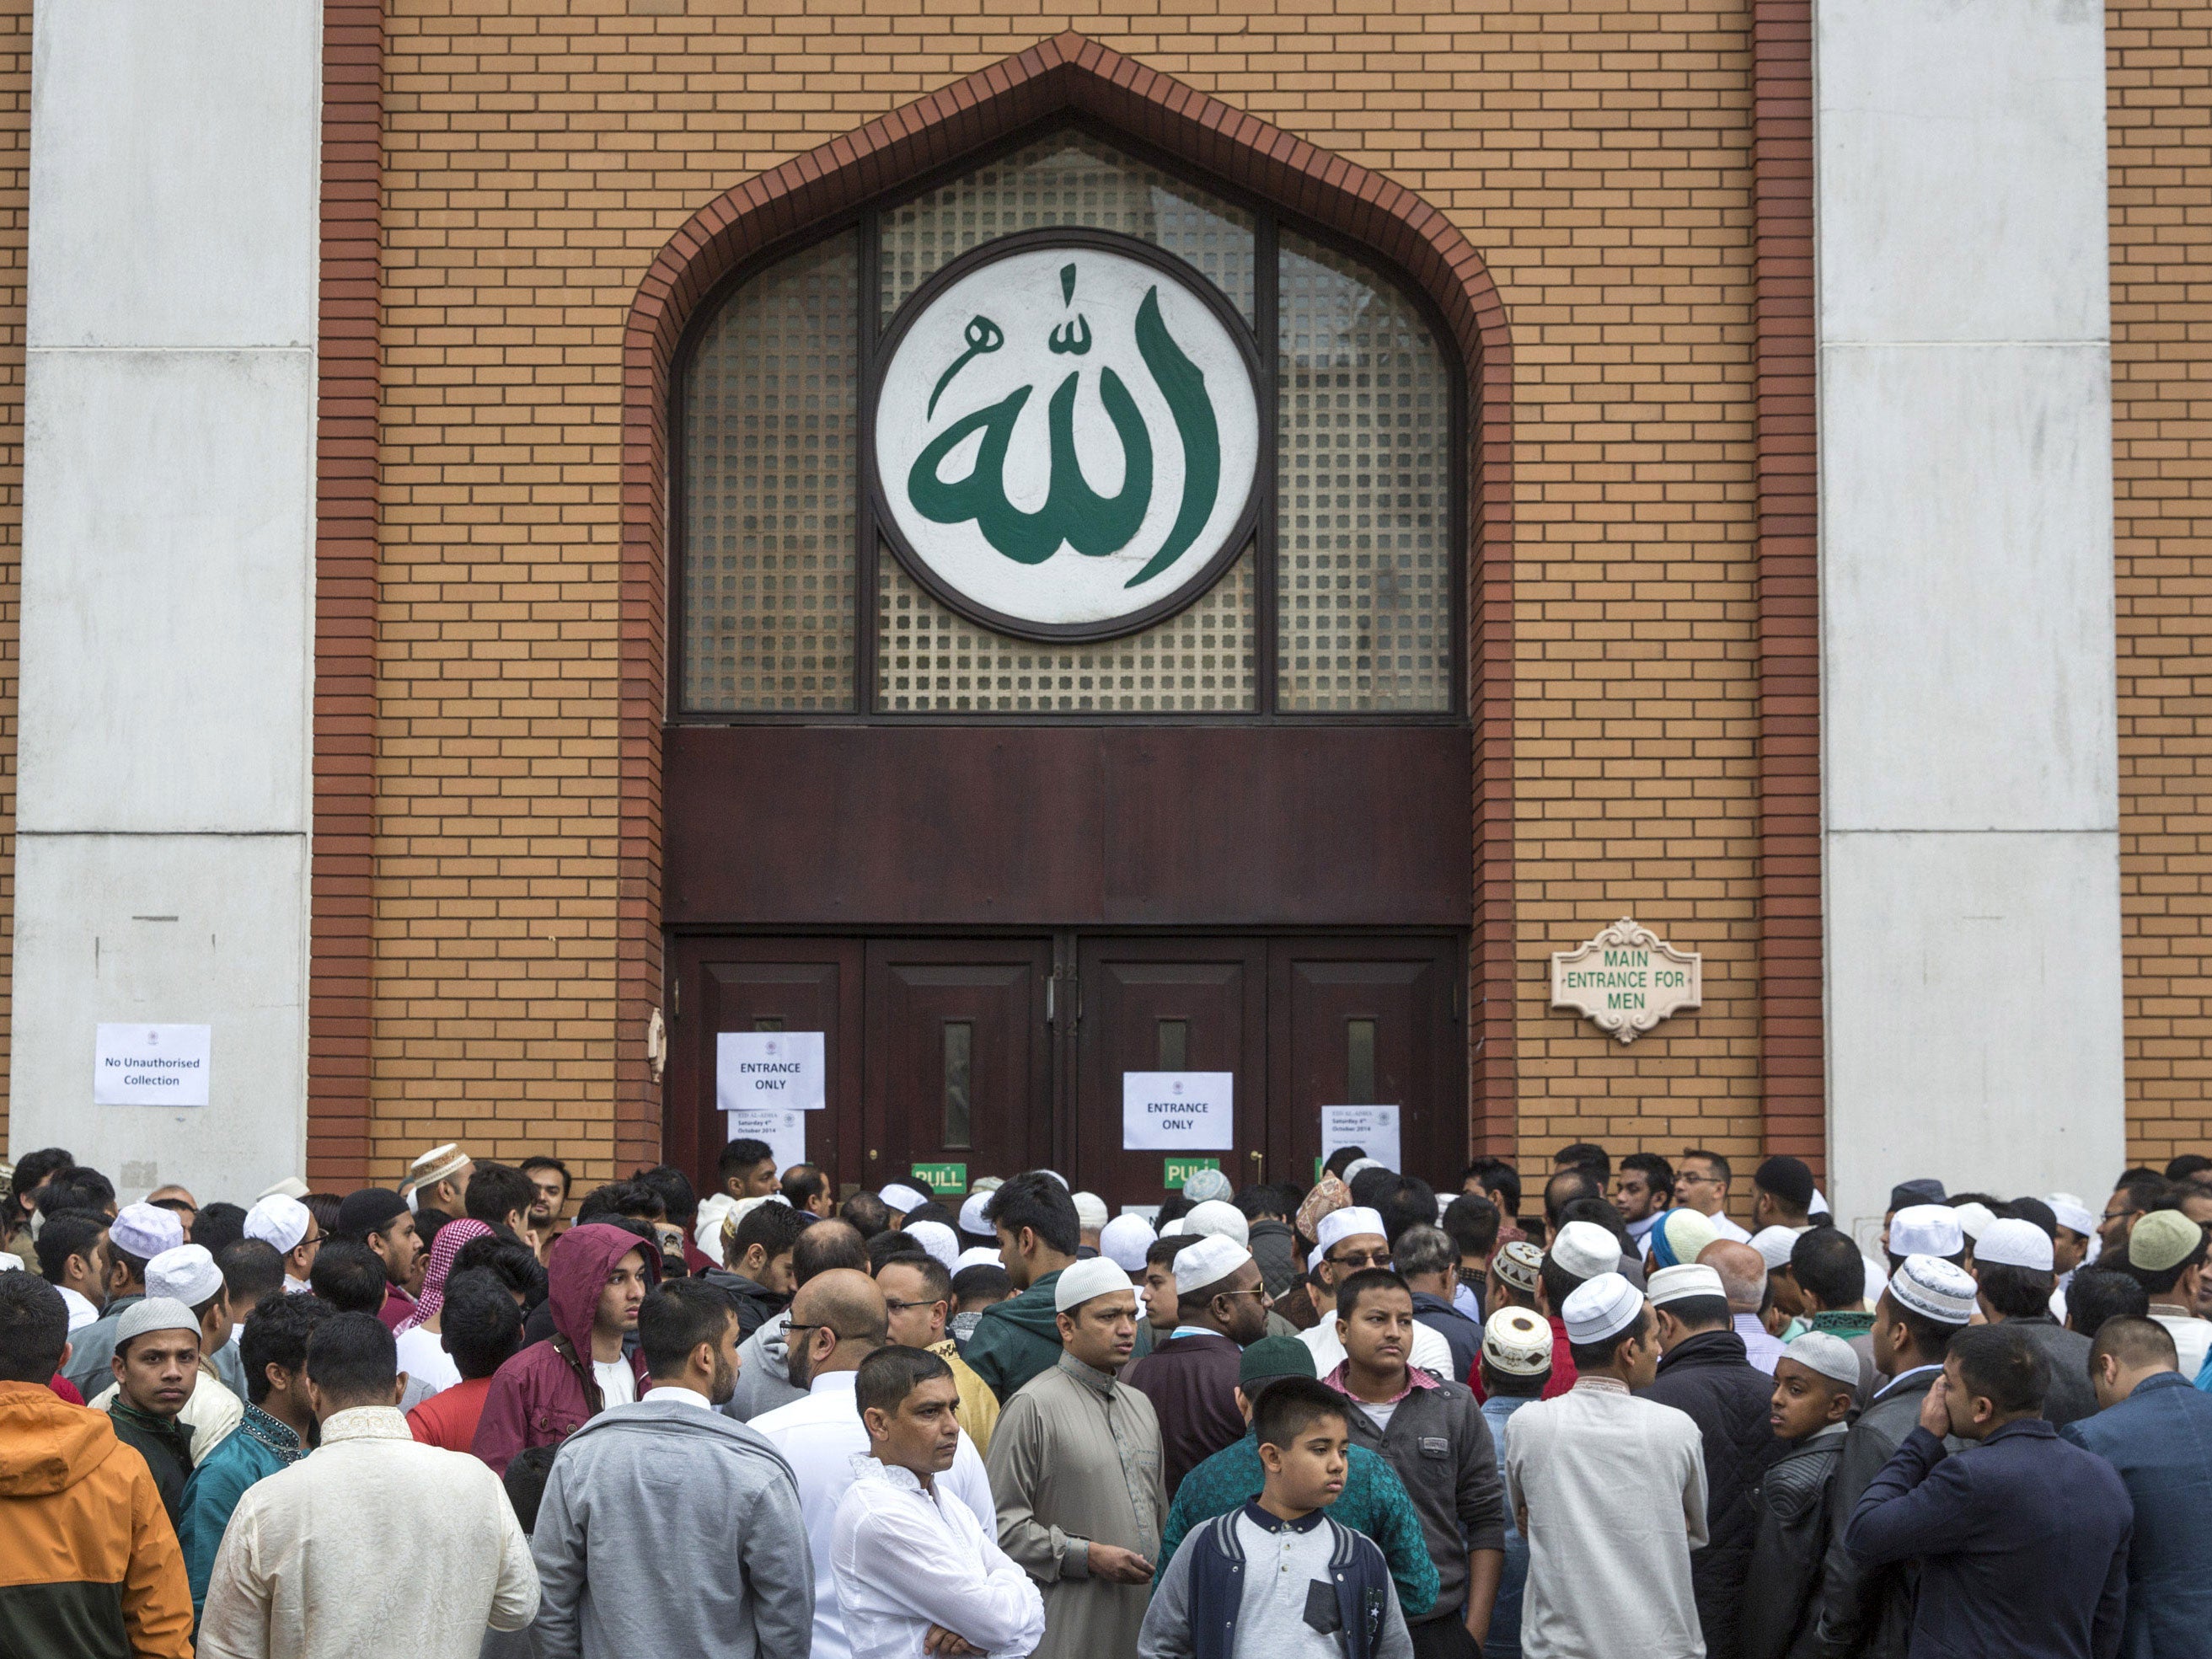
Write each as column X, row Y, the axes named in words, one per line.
column 1178, row 1111
column 759, row 1070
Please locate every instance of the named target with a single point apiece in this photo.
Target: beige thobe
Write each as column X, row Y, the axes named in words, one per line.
column 1076, row 1457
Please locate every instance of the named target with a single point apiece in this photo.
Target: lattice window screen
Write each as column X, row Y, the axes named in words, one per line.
column 932, row 661
column 1363, row 427
column 770, row 485
column 1066, row 180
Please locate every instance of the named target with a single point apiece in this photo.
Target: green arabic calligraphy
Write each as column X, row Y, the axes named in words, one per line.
column 1073, row 513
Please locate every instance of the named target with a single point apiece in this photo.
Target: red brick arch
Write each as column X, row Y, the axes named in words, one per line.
column 1067, row 74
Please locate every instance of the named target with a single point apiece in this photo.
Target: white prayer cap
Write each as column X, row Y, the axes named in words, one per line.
column 983, row 1256
column 1974, row 1219
column 1214, row 1219
column 1208, row 1262
column 434, row 1165
column 2013, row 1243
column 1360, row 1166
column 146, row 1230
column 707, row 1226
column 1675, row 1284
column 902, row 1198
column 743, row 1207
column 290, row 1187
column 1092, row 1276
column 188, row 1273
column 971, row 1214
column 1175, row 1228
column 986, row 1185
column 156, row 1312
column 1350, row 1222
column 279, row 1221
column 1091, row 1212
column 1936, row 1289
column 1125, row 1239
column 2071, row 1213
column 1314, row 1256
column 1830, row 1356
column 1604, row 1307
column 1820, row 1204
column 1774, row 1245
column 938, row 1239
column 1926, row 1229
column 1584, row 1249
column 1056, row 1175
column 1517, row 1342
column 1205, row 1184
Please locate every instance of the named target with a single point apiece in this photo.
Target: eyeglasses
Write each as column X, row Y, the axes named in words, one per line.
column 1691, row 1178
column 2120, row 1215
column 795, row 1325
column 1362, row 1259
column 891, row 1306
column 1257, row 1290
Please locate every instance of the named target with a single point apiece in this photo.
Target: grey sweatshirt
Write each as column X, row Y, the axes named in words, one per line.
column 638, row 1499
column 764, row 1373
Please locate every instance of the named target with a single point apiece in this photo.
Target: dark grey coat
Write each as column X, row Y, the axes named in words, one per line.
column 1440, row 1447
column 1789, row 1543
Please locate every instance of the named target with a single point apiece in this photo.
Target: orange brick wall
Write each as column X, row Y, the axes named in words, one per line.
column 2160, row 89
column 536, row 160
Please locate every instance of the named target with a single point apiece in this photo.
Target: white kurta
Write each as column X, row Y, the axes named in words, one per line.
column 1615, row 1488
column 371, row 1543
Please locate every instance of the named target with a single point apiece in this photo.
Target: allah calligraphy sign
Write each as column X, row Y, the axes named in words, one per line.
column 1067, row 435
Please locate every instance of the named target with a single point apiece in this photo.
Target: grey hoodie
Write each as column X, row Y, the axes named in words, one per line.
column 764, row 1373
column 658, row 1488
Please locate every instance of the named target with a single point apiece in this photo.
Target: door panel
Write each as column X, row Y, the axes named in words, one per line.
column 959, row 1066
column 765, row 984
column 1362, row 1022
column 1201, row 1004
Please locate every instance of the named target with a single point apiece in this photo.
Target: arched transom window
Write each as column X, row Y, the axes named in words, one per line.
column 797, row 594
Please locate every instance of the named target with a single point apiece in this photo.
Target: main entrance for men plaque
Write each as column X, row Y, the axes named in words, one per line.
column 1067, row 436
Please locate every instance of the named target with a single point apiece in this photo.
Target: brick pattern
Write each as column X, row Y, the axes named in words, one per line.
column 2158, row 82
column 559, row 181
column 15, row 199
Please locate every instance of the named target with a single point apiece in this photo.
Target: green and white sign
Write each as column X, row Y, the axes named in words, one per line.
column 1180, row 1170
column 943, row 1179
column 1066, row 434
column 1627, row 980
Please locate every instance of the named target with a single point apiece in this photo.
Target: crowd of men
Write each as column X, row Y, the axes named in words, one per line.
column 1358, row 1420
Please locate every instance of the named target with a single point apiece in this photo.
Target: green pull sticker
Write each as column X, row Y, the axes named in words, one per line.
column 1180, row 1169
column 943, row 1179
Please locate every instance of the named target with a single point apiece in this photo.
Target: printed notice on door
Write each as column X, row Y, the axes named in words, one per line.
column 1373, row 1129
column 1178, row 1111
column 760, row 1071
column 785, row 1133
column 150, row 1064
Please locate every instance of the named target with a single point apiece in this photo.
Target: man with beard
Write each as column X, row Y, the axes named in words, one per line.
column 608, row 1491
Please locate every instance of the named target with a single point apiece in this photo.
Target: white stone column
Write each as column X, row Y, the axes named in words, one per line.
column 164, row 788
column 1969, row 773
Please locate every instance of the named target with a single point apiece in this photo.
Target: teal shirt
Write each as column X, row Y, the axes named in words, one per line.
column 1015, row 1338
column 259, row 1446
column 1374, row 1502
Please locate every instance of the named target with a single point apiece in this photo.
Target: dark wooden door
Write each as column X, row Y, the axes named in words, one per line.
column 1364, row 1022
column 765, row 984
column 1166, row 1004
column 959, row 1057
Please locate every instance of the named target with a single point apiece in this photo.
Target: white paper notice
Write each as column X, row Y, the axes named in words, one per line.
column 755, row 1071
column 1178, row 1111
column 150, row 1064
column 785, row 1133
column 1373, row 1129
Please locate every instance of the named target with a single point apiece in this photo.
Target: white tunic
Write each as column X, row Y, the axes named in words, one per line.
column 372, row 1544
column 905, row 1560
column 1615, row 1488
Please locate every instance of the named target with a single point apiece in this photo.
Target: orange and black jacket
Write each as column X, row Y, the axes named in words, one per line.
column 89, row 1564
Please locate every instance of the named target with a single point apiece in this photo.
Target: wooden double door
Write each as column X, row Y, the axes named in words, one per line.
column 1006, row 1052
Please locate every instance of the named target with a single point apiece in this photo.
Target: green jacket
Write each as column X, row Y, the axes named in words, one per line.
column 1374, row 1502
column 1015, row 1338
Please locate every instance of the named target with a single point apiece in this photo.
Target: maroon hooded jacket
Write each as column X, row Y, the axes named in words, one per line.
column 547, row 1392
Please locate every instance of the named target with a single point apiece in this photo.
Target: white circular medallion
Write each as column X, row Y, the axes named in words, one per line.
column 1067, row 436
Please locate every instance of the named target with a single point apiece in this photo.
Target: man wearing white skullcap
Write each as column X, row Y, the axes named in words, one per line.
column 2075, row 1246
column 288, row 1227
column 1352, row 1240
column 439, row 1181
column 1926, row 1229
column 1124, row 1240
column 1205, row 1184
column 1705, row 1372
column 1928, row 1302
column 1091, row 1217
column 1815, row 1379
column 1609, row 1490
column 1216, row 1219
column 1076, row 1466
column 1190, row 1375
column 899, row 1198
column 2013, row 1263
column 156, row 1367
column 138, row 1234
column 187, row 1274
column 973, row 1228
